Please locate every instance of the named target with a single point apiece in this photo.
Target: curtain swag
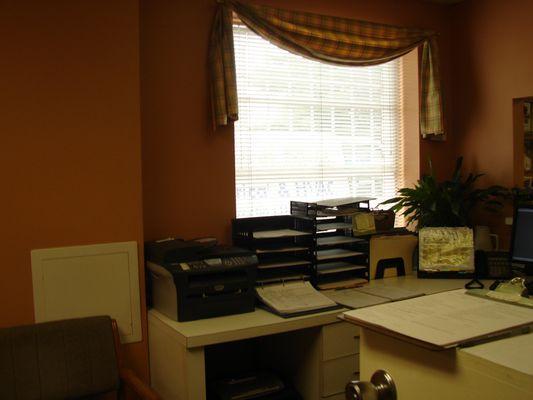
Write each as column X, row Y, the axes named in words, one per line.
column 333, row 40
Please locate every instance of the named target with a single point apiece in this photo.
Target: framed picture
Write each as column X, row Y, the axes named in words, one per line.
column 446, row 250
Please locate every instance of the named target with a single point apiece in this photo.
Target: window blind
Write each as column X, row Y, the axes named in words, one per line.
column 310, row 131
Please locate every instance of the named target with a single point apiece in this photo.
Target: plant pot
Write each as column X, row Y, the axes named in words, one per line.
column 384, row 219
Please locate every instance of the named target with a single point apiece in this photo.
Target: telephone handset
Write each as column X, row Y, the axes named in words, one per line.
column 493, row 264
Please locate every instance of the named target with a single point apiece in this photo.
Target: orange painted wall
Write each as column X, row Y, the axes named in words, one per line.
column 493, row 65
column 188, row 170
column 70, row 152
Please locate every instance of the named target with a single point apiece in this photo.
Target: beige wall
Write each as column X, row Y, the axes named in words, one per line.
column 493, row 64
column 70, row 163
column 188, row 170
column 70, row 155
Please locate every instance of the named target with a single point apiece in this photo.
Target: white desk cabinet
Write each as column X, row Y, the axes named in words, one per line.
column 502, row 369
column 318, row 352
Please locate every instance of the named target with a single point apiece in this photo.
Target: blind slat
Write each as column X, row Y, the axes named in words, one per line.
column 310, row 131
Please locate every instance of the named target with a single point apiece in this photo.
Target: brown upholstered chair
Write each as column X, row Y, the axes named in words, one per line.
column 70, row 359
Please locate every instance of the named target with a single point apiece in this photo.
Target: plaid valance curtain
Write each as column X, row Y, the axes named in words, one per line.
column 334, row 40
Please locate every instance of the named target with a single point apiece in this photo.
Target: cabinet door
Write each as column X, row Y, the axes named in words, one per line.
column 339, row 340
column 337, row 373
column 420, row 374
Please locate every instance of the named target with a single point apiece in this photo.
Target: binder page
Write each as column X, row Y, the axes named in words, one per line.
column 391, row 292
column 354, row 299
column 443, row 319
column 292, row 297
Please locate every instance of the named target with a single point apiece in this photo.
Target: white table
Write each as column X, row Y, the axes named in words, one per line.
column 502, row 369
column 498, row 369
column 319, row 351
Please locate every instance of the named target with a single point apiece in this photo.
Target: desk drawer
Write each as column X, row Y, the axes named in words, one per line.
column 337, row 373
column 338, row 396
column 339, row 340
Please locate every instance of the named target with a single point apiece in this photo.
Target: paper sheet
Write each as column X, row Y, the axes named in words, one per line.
column 332, row 240
column 336, row 253
column 444, row 319
column 293, row 297
column 337, row 266
column 353, row 298
column 283, row 263
column 278, row 233
column 391, row 292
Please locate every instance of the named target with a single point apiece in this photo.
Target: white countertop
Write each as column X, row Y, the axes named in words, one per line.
column 240, row 326
column 515, row 353
column 261, row 322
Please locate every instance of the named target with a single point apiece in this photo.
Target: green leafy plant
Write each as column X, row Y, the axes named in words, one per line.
column 521, row 195
column 448, row 203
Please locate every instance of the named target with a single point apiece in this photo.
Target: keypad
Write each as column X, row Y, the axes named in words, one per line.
column 217, row 262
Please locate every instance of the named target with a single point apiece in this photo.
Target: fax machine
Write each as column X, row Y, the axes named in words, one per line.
column 190, row 280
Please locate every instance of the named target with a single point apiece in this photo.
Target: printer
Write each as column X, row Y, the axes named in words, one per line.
column 190, row 280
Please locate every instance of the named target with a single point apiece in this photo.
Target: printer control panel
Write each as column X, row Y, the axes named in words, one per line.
column 239, row 261
column 208, row 263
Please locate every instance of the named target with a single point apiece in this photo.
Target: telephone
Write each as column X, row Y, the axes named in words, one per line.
column 493, row 264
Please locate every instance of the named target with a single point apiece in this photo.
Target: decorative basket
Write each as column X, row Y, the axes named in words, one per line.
column 384, row 219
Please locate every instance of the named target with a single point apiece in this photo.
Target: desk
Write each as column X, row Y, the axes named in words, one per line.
column 319, row 351
column 303, row 347
column 501, row 369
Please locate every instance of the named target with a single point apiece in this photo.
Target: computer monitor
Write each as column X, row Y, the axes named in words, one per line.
column 522, row 240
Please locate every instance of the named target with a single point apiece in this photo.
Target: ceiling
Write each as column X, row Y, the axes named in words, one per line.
column 444, row 1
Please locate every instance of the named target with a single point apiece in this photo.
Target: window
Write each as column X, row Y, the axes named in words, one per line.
column 310, row 131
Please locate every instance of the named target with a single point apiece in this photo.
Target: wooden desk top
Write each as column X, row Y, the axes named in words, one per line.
column 515, row 353
column 261, row 322
column 428, row 286
column 204, row 332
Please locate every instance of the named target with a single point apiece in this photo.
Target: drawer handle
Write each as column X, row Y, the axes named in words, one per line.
column 380, row 387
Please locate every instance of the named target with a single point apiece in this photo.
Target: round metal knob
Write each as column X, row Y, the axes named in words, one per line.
column 358, row 390
column 380, row 387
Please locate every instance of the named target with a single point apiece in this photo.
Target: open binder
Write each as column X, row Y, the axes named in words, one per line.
column 443, row 320
column 290, row 298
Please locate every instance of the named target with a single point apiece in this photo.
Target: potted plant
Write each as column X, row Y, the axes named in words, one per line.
column 445, row 204
column 522, row 195
column 448, row 205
